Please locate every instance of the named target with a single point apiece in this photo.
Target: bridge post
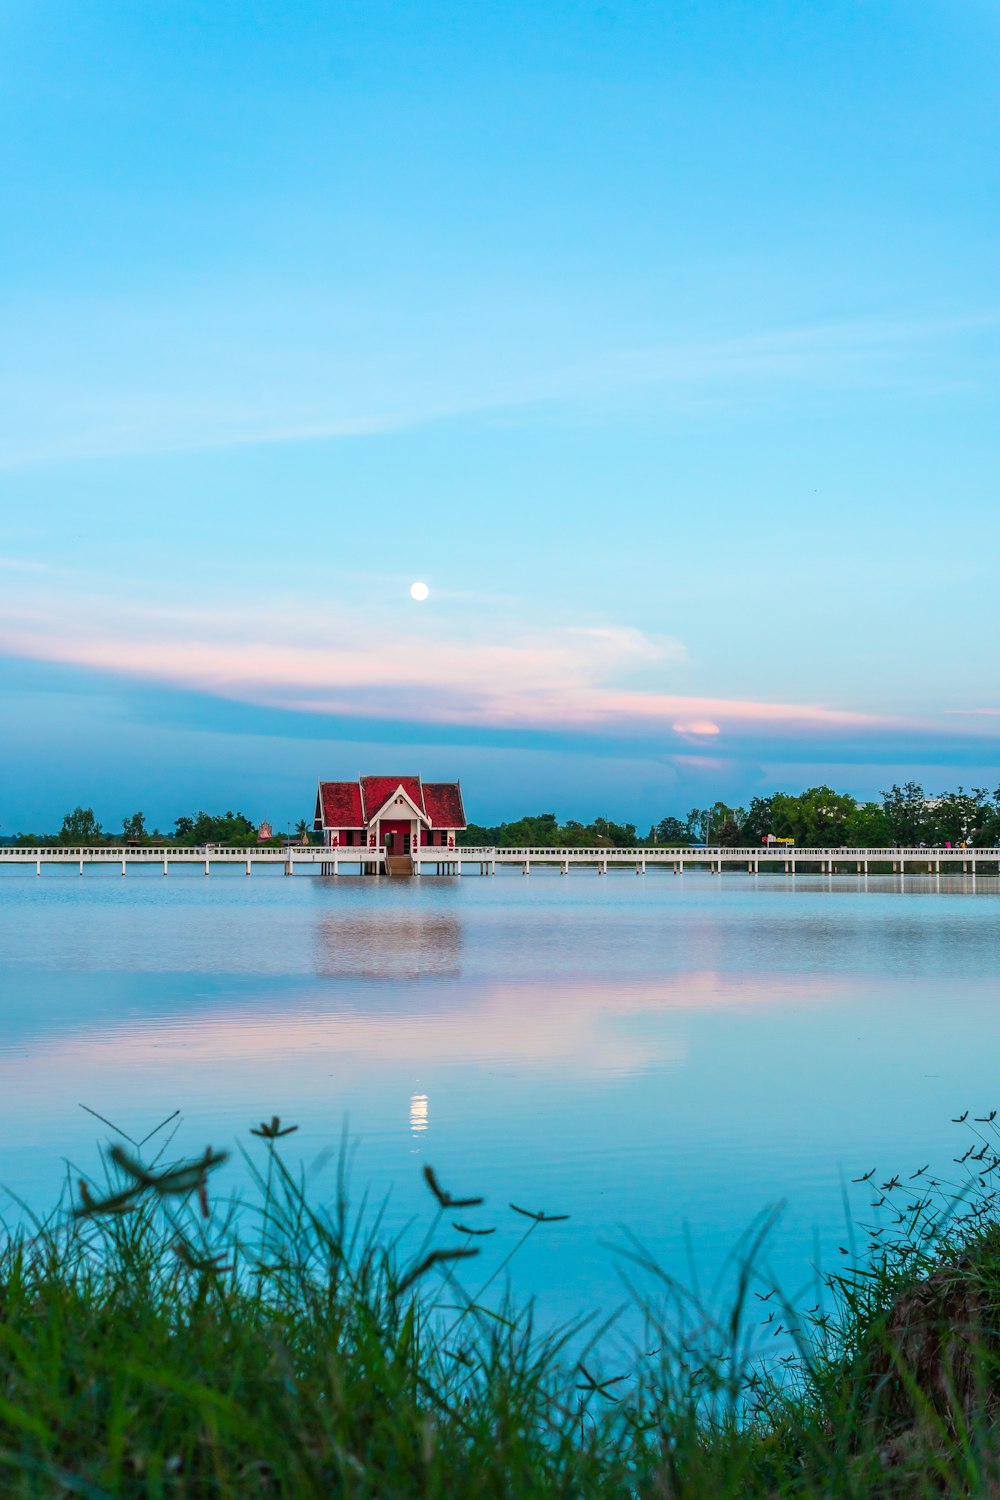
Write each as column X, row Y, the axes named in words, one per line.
column 564, row 867
column 164, row 864
column 38, row 867
column 123, row 867
column 248, row 867
column 602, row 867
column 206, row 866
column 525, row 866
column 81, row 867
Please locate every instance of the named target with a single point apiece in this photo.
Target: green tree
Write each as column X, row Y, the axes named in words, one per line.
column 907, row 813
column 705, row 824
column 215, row 828
column 868, row 827
column 696, row 824
column 817, row 818
column 134, row 828
column 758, row 819
column 544, row 831
column 671, row 831
column 989, row 833
column 80, row 827
column 960, row 817
column 616, row 835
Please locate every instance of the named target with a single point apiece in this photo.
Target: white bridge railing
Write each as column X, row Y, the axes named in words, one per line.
column 456, row 861
column 702, row 853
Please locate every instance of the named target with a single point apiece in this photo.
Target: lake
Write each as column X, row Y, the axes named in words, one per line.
column 668, row 1054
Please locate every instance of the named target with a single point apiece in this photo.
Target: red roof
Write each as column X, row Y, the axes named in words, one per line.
column 341, row 804
column 353, row 804
column 376, row 791
column 443, row 804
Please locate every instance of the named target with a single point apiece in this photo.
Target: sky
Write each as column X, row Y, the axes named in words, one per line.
column 661, row 340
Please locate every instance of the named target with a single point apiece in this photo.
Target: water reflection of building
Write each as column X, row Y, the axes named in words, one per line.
column 388, row 945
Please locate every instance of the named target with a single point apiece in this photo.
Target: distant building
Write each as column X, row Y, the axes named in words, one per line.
column 399, row 812
column 265, row 832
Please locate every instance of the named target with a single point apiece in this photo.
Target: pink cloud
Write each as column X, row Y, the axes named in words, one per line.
column 584, row 1023
column 697, row 726
column 558, row 678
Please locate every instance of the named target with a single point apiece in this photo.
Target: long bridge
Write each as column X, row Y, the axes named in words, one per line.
column 321, row 860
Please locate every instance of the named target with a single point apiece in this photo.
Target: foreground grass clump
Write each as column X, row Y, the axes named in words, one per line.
column 155, row 1341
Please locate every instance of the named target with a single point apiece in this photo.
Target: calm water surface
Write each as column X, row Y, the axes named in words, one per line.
column 652, row 1053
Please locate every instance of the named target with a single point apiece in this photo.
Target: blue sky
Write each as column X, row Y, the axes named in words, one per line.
column 663, row 341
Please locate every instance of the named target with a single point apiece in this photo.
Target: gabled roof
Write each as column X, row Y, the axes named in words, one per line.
column 376, row 791
column 356, row 804
column 398, row 793
column 339, row 804
column 443, row 801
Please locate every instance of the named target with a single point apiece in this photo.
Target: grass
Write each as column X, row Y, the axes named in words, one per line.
column 158, row 1341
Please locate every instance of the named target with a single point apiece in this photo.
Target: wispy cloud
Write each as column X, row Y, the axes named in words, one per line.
column 213, row 389
column 697, row 727
column 589, row 1023
column 600, row 679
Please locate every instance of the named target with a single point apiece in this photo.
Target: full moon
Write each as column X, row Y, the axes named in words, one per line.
column 419, row 591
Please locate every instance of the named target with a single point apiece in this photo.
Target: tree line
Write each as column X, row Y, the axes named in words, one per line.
column 818, row 817
column 823, row 818
column 81, row 826
column 545, row 831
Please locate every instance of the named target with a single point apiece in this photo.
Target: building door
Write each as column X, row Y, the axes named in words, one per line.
column 395, row 835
